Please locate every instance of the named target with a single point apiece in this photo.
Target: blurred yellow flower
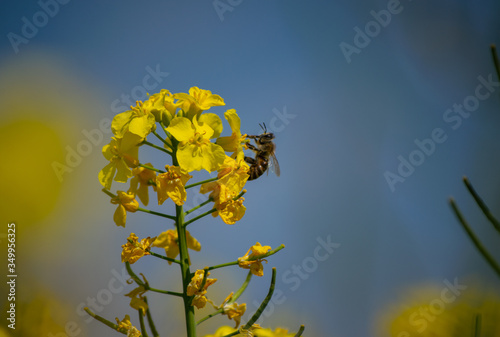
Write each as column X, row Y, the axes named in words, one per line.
column 134, row 250
column 138, row 121
column 449, row 310
column 168, row 240
column 255, row 265
column 126, row 202
column 171, row 184
column 122, row 154
column 139, row 184
column 195, row 151
column 195, row 288
column 228, row 209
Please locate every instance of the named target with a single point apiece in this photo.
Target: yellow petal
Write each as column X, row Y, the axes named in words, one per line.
column 181, row 128
column 120, row 216
column 213, row 121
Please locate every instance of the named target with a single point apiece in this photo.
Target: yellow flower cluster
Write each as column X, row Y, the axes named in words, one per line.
column 255, row 331
column 190, row 132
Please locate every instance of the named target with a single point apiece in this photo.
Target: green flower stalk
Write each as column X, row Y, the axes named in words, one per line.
column 192, row 142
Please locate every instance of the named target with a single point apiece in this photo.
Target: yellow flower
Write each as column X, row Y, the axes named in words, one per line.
column 122, row 154
column 228, row 209
column 171, row 184
column 232, row 143
column 139, row 184
column 279, row 332
column 126, row 202
column 226, row 330
column 234, row 312
column 194, row 288
column 134, row 250
column 168, row 240
column 195, row 151
column 137, row 299
column 138, row 121
column 162, row 106
column 222, row 331
column 255, row 265
column 197, row 101
column 124, row 326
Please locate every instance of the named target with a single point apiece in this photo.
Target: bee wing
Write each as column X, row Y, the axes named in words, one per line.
column 275, row 165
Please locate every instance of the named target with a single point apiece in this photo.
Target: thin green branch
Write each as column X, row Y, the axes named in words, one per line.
column 156, row 213
column 199, row 206
column 164, row 257
column 150, row 320
column 108, row 193
column 141, row 321
column 253, row 258
column 102, row 319
column 495, row 59
column 164, row 142
column 215, row 313
column 481, row 204
column 301, row 330
column 145, row 142
column 200, row 216
column 474, row 238
column 151, row 168
column 201, row 182
column 477, row 325
column 146, row 286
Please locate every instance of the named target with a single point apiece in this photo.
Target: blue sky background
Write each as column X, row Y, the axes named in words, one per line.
column 347, row 124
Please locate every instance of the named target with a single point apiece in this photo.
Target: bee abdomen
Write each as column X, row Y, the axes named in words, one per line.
column 257, row 169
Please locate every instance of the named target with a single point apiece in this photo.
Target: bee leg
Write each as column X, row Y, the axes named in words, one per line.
column 250, row 160
column 253, row 148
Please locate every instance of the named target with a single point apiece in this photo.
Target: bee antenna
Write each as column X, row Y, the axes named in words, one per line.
column 264, row 128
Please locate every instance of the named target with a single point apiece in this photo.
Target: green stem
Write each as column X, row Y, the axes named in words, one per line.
column 186, row 274
column 156, row 213
column 199, row 206
column 481, row 204
column 150, row 319
column 272, row 252
column 101, row 319
column 301, row 330
column 141, row 321
column 477, row 325
column 164, row 142
column 165, row 258
column 474, row 238
column 145, row 142
column 146, row 285
column 200, row 216
column 495, row 59
column 201, row 182
column 259, row 311
column 151, row 168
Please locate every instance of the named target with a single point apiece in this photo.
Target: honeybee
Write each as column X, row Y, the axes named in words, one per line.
column 264, row 150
